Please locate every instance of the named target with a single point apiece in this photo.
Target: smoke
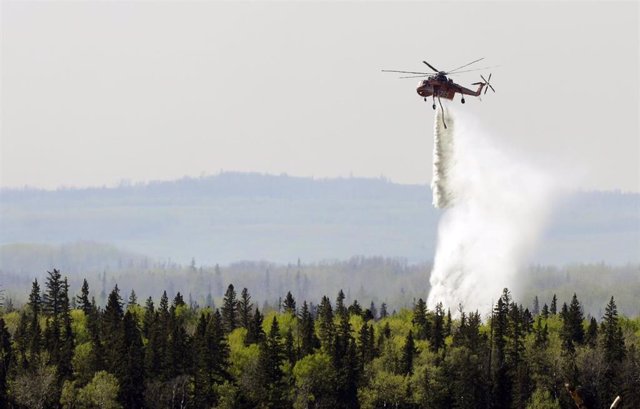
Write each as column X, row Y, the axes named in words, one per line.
column 496, row 206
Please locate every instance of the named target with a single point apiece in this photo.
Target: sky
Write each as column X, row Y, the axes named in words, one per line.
column 96, row 93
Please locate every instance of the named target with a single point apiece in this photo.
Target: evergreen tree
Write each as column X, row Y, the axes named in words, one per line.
column 133, row 299
column 83, row 299
column 6, row 355
column 289, row 304
column 592, row 333
column 341, row 309
column 438, row 330
column 113, row 335
column 575, row 318
column 408, row 353
column 545, row 311
column 289, row 348
column 612, row 340
column 270, row 374
column 383, row 311
column 67, row 347
column 178, row 300
column 132, row 380
column 309, row 340
column 553, row 309
column 420, row 320
column 244, row 308
column 501, row 393
column 536, row 306
column 355, row 308
column 230, row 310
column 325, row 322
column 255, row 333
column 35, row 333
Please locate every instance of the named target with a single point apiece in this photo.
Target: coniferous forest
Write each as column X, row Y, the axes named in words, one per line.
column 62, row 350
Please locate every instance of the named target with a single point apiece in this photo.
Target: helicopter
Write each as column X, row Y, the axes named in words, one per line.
column 439, row 85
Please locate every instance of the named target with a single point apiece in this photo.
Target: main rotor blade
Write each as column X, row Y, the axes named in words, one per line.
column 475, row 69
column 415, row 76
column 407, row 72
column 466, row 65
column 431, row 66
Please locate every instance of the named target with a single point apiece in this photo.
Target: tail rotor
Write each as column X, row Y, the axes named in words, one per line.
column 487, row 84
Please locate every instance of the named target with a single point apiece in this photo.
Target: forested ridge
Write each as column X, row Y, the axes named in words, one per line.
column 63, row 350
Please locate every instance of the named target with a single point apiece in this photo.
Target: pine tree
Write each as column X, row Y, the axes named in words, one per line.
column 553, row 309
column 255, row 333
column 270, row 374
column 536, row 306
column 5, row 363
column 325, row 322
column 420, row 320
column 132, row 380
column 575, row 318
column 355, row 308
column 612, row 340
column 289, row 304
column 289, row 348
column 133, row 299
column 230, row 310
column 244, row 308
column 35, row 333
column 83, row 299
column 438, row 330
column 113, row 335
column 341, row 309
column 592, row 333
column 545, row 311
column 408, row 353
column 383, row 311
column 501, row 393
column 67, row 347
column 309, row 341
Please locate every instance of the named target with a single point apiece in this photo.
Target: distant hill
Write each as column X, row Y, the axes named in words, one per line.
column 240, row 216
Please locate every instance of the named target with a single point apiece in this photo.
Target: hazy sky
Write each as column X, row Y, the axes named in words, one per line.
column 93, row 93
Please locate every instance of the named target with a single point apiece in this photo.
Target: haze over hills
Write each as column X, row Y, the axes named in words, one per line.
column 244, row 216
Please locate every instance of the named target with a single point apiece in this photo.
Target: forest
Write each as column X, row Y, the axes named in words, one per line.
column 62, row 349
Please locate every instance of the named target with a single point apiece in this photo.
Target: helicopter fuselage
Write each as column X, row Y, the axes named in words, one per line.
column 441, row 86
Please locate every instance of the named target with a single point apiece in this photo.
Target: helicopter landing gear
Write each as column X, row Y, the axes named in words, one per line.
column 433, row 106
column 425, row 99
column 462, row 100
column 433, row 98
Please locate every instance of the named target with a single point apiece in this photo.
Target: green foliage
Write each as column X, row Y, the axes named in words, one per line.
column 181, row 355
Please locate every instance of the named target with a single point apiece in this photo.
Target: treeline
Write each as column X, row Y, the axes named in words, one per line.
column 305, row 355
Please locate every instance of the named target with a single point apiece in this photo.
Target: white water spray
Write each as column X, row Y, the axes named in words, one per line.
column 496, row 205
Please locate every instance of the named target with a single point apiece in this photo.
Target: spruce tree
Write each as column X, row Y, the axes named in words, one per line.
column 255, row 333
column 244, row 308
column 612, row 340
column 553, row 309
column 6, row 354
column 438, row 329
column 132, row 380
column 341, row 309
column 113, row 335
column 309, row 341
column 592, row 333
column 230, row 309
column 420, row 320
column 83, row 299
column 408, row 353
column 289, row 304
column 35, row 333
column 325, row 321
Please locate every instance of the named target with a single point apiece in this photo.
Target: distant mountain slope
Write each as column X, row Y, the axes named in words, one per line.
column 236, row 216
